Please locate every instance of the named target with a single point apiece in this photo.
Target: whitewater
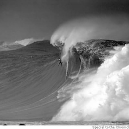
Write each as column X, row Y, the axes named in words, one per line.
column 103, row 94
column 99, row 93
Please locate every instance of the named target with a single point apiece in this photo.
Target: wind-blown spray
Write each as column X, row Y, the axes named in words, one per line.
column 80, row 30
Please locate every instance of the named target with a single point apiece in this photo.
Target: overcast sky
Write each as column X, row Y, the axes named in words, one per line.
column 20, row 19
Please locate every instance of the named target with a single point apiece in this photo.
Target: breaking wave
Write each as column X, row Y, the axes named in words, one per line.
column 98, row 93
column 92, row 85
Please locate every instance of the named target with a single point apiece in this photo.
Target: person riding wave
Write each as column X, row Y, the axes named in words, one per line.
column 60, row 62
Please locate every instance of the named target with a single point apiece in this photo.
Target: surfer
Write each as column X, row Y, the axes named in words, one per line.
column 60, row 62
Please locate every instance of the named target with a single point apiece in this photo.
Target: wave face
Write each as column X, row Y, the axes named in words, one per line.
column 29, row 80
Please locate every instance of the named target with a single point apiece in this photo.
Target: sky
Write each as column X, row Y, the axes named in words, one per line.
column 21, row 19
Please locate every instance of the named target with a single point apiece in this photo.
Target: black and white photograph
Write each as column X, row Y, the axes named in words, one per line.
column 64, row 62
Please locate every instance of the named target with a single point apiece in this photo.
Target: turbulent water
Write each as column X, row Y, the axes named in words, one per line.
column 101, row 94
column 34, row 86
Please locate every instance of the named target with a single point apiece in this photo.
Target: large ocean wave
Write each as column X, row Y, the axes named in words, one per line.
column 34, row 86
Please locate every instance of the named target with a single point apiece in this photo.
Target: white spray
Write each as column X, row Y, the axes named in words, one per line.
column 106, row 97
column 83, row 29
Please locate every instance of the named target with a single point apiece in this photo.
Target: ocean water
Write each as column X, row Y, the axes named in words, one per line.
column 30, row 78
column 101, row 93
column 35, row 87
